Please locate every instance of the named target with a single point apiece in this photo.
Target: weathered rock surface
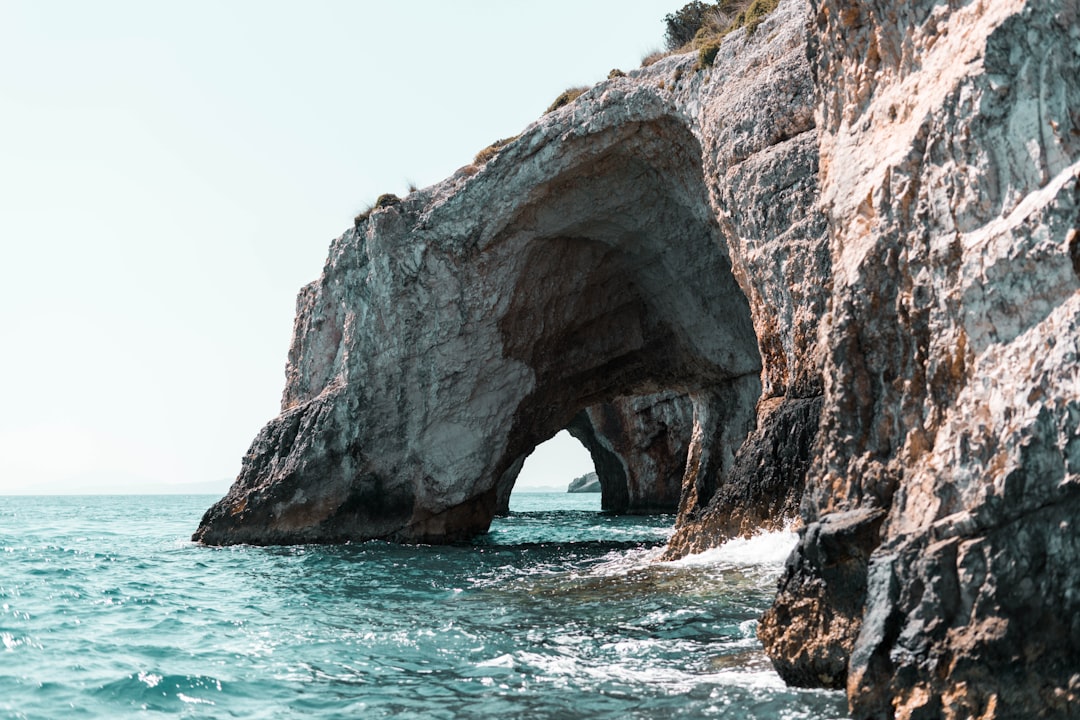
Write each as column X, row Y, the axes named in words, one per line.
column 762, row 488
column 587, row 483
column 639, row 447
column 453, row 332
column 950, row 434
column 837, row 272
column 587, row 265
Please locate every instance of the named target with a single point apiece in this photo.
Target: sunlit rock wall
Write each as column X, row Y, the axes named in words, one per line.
column 937, row 575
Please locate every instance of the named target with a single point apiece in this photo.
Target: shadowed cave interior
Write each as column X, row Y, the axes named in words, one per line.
column 638, row 334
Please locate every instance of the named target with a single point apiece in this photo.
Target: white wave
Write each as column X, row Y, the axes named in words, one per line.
column 193, row 700
column 770, row 548
column 662, row 677
column 503, row 661
column 621, row 562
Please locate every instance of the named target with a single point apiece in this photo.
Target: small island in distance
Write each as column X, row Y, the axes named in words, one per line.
column 587, row 483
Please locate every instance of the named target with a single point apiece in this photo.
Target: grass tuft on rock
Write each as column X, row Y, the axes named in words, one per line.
column 566, row 97
column 492, row 150
column 387, row 200
column 707, row 53
column 702, row 26
column 384, row 201
column 756, row 12
column 362, row 216
column 654, row 56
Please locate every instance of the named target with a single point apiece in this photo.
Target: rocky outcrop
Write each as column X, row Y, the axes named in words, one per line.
column 756, row 113
column 639, row 447
column 837, row 271
column 762, row 489
column 597, row 259
column 949, row 448
column 453, row 332
column 587, row 483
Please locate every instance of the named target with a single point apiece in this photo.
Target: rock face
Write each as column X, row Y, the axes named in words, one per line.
column 453, row 332
column 587, row 483
column 639, row 447
column 762, row 488
column 834, row 275
column 937, row 572
column 585, row 269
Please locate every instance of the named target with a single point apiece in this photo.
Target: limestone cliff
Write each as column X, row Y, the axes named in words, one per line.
column 834, row 275
column 594, row 275
column 937, row 575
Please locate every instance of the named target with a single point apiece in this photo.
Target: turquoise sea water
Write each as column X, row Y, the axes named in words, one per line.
column 108, row 610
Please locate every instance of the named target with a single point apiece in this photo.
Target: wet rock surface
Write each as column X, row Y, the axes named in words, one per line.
column 823, row 590
column 762, row 489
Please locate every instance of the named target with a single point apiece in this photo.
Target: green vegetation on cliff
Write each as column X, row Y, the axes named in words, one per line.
column 702, row 26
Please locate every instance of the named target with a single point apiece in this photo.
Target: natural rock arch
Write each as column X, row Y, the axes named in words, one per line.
column 453, row 332
column 639, row 446
column 904, row 221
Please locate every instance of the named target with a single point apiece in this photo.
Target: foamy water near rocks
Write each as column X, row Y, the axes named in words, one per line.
column 833, row 276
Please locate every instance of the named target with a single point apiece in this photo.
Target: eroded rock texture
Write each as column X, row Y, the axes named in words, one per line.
column 845, row 258
column 950, row 435
column 756, row 113
column 593, row 276
column 639, row 447
column 453, row 332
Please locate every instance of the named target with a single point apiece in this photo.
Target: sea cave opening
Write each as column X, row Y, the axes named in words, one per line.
column 559, row 467
column 562, row 498
column 626, row 325
column 602, row 303
column 626, row 456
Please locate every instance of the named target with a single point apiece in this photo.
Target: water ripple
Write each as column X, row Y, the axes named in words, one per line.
column 105, row 606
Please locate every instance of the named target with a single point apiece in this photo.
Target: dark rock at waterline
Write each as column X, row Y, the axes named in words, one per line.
column 763, row 486
column 823, row 589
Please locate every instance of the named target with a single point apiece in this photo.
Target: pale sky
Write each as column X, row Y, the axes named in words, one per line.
column 172, row 173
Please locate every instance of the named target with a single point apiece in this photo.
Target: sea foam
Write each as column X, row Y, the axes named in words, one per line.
column 768, row 548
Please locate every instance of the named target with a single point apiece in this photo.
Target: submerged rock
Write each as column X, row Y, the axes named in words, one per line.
column 833, row 276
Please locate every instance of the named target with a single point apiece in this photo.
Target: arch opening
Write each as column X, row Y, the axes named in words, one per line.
column 601, row 301
column 636, row 332
column 553, row 465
